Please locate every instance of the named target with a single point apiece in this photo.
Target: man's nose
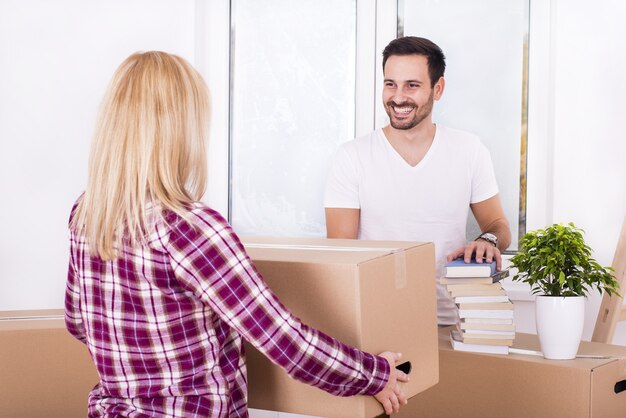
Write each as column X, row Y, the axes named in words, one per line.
column 401, row 99
column 401, row 95
column 398, row 97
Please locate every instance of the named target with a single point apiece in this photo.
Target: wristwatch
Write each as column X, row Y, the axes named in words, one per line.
column 489, row 237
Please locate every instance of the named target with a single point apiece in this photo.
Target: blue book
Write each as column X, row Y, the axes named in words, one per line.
column 459, row 268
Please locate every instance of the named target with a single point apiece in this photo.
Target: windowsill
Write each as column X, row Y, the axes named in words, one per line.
column 517, row 291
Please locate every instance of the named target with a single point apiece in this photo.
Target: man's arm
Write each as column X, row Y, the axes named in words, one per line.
column 342, row 223
column 490, row 217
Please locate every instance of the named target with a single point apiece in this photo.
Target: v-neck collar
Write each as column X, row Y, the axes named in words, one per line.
column 397, row 155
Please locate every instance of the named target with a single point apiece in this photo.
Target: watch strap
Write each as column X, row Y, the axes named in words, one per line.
column 489, row 237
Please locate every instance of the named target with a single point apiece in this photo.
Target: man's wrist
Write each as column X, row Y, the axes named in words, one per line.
column 489, row 237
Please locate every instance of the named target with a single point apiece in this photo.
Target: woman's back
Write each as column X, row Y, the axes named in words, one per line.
column 165, row 321
column 150, row 336
column 159, row 286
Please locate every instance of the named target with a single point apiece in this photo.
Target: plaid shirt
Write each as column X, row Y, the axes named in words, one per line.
column 164, row 325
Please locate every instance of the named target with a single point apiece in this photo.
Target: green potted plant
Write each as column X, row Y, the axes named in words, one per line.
column 558, row 266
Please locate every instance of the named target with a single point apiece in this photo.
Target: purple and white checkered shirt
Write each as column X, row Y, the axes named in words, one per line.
column 164, row 325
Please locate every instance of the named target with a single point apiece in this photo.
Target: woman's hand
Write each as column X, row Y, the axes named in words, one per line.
column 392, row 396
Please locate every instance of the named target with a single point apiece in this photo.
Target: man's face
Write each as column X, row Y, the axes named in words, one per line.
column 407, row 93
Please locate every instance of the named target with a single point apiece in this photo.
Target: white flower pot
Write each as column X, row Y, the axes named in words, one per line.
column 560, row 323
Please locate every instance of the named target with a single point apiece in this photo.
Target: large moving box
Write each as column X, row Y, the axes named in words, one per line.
column 44, row 371
column 373, row 295
column 483, row 385
column 377, row 297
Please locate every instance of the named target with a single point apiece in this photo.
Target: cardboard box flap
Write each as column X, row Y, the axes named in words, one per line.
column 323, row 242
column 314, row 254
column 30, row 320
column 317, row 250
column 605, row 353
column 30, row 314
column 471, row 384
column 345, row 252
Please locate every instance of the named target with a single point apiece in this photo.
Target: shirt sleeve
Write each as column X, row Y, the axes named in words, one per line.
column 209, row 259
column 342, row 185
column 73, row 318
column 484, row 184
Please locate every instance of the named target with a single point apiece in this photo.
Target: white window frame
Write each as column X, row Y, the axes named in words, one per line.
column 377, row 26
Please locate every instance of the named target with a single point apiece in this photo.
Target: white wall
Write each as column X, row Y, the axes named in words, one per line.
column 577, row 145
column 590, row 141
column 56, row 58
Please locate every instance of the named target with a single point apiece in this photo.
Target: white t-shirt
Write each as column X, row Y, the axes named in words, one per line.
column 428, row 202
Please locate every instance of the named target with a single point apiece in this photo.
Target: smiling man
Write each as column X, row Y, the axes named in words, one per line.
column 415, row 180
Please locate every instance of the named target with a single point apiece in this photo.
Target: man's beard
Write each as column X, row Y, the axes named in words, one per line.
column 421, row 113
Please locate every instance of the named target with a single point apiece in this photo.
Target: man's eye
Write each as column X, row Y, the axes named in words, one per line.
column 414, row 85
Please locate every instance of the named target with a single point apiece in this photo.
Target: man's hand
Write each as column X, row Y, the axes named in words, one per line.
column 392, row 396
column 482, row 249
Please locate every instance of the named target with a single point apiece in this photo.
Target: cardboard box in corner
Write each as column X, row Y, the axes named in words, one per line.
column 374, row 295
column 474, row 385
column 44, row 371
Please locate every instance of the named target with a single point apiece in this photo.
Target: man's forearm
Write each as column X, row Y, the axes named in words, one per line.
column 342, row 223
column 500, row 229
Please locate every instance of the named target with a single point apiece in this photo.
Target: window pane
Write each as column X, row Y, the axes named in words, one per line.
column 292, row 105
column 484, row 44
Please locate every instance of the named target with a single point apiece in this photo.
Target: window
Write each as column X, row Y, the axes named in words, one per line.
column 486, row 48
column 292, row 104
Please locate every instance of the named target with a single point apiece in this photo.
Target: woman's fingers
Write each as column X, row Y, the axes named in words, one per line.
column 401, row 376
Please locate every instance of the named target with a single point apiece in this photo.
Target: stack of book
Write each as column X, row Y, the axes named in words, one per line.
column 485, row 322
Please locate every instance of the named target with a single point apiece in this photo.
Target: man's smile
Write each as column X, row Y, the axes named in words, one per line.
column 402, row 110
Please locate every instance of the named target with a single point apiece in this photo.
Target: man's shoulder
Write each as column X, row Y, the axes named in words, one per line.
column 366, row 139
column 360, row 143
column 457, row 134
column 458, row 138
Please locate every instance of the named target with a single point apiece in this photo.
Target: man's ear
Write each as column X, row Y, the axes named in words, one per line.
column 438, row 88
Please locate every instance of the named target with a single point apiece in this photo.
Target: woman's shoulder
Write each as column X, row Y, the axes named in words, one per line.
column 196, row 216
column 197, row 221
column 202, row 213
column 75, row 208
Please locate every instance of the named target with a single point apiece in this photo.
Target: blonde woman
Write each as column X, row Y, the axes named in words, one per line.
column 159, row 286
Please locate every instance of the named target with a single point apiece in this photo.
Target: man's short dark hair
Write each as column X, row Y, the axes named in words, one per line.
column 413, row 45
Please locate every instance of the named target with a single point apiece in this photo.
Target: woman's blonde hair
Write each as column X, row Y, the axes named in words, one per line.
column 148, row 150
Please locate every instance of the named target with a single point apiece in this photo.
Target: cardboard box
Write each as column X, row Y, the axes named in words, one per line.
column 373, row 295
column 514, row 385
column 44, row 371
